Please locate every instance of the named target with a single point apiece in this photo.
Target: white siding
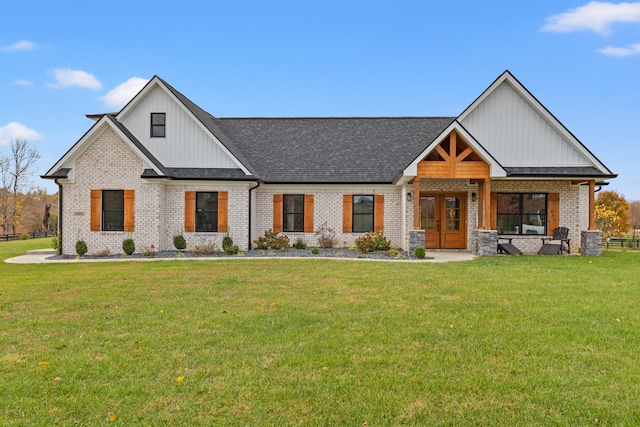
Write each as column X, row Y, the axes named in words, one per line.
column 517, row 135
column 186, row 144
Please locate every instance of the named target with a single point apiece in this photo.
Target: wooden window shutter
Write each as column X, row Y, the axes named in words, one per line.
column 347, row 213
column 129, row 210
column 277, row 213
column 96, row 196
column 553, row 212
column 189, row 211
column 378, row 213
column 308, row 213
column 494, row 211
column 223, row 211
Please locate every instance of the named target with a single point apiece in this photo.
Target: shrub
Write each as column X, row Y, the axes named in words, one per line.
column 326, row 236
column 272, row 240
column 315, row 251
column 55, row 242
column 81, row 247
column 419, row 253
column 25, row 236
column 179, row 242
column 371, row 242
column 300, row 244
column 228, row 247
column 128, row 246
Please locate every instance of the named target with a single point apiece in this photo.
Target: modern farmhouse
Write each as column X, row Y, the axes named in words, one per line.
column 163, row 166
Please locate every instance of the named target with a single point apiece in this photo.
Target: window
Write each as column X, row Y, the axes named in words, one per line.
column 293, row 212
column 362, row 214
column 158, row 125
column 206, row 211
column 522, row 213
column 112, row 210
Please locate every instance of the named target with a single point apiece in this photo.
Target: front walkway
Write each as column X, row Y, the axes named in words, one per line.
column 40, row 257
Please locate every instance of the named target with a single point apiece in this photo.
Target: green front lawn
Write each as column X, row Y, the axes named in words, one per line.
column 532, row 340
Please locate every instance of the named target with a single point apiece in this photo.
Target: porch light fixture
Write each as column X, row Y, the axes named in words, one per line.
column 474, row 197
column 409, row 197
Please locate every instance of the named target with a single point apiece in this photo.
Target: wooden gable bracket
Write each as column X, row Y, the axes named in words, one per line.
column 453, row 158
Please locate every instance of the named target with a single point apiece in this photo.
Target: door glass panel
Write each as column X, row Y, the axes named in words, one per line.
column 427, row 213
column 452, row 213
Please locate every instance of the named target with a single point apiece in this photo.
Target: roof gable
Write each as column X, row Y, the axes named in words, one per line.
column 520, row 132
column 191, row 140
column 496, row 169
column 106, row 122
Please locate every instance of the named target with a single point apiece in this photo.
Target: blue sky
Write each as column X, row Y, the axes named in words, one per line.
column 62, row 60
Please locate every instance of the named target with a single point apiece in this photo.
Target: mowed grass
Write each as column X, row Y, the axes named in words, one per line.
column 533, row 340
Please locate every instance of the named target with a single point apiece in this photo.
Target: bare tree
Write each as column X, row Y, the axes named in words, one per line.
column 16, row 170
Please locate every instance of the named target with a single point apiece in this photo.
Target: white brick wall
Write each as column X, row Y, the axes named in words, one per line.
column 109, row 164
column 159, row 206
column 328, row 208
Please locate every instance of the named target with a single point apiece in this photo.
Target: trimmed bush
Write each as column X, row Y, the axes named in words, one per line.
column 81, row 247
column 128, row 246
column 419, row 253
column 300, row 244
column 315, row 251
column 179, row 242
column 372, row 242
column 272, row 240
column 25, row 236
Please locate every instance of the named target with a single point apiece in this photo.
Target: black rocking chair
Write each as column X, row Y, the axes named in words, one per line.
column 556, row 244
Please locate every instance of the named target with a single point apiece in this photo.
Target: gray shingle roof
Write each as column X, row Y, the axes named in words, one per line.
column 557, row 172
column 331, row 150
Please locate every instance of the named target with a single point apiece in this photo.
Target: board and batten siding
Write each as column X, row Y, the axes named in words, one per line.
column 518, row 135
column 186, row 144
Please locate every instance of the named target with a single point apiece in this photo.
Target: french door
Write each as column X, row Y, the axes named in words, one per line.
column 443, row 219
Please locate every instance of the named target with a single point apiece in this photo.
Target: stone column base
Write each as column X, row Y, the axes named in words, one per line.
column 416, row 240
column 487, row 243
column 591, row 242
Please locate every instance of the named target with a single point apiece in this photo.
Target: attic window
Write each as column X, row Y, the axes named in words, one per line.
column 158, row 125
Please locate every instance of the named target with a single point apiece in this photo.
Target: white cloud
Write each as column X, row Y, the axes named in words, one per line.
column 21, row 82
column 15, row 130
column 633, row 49
column 595, row 15
column 22, row 45
column 66, row 77
column 121, row 94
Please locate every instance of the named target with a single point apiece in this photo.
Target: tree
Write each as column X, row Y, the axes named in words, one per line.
column 16, row 169
column 612, row 214
column 634, row 214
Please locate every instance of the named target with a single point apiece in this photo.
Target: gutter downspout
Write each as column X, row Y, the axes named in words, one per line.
column 60, row 235
column 249, row 231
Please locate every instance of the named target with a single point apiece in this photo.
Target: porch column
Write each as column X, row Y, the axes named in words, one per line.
column 487, row 204
column 481, row 219
column 592, row 205
column 416, row 203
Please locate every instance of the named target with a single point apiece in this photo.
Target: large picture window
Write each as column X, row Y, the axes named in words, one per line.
column 522, row 213
column 206, row 211
column 293, row 212
column 113, row 210
column 362, row 214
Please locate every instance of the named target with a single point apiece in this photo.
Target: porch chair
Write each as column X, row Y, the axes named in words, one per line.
column 557, row 244
column 507, row 247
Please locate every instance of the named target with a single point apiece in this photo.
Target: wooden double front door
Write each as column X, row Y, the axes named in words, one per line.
column 443, row 219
